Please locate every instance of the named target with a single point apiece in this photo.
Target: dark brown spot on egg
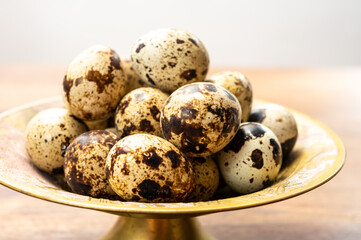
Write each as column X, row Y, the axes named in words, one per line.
column 146, row 126
column 154, row 111
column 125, row 169
column 114, row 60
column 122, row 106
column 257, row 159
column 128, row 129
column 217, row 111
column 251, row 180
column 174, row 157
column 78, row 81
column 188, row 113
column 150, row 79
column 149, row 189
column 172, row 64
column 193, row 41
column 257, row 115
column 204, row 72
column 99, row 79
column 151, row 158
column 275, row 151
column 232, row 121
column 140, row 46
column 179, row 41
column 189, row 74
column 267, row 182
column 67, row 84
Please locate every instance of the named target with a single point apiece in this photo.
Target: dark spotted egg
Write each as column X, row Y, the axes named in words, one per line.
column 281, row 121
column 84, row 163
column 170, row 58
column 200, row 118
column 147, row 168
column 139, row 112
column 94, row 83
column 206, row 176
column 252, row 160
column 237, row 84
column 47, row 136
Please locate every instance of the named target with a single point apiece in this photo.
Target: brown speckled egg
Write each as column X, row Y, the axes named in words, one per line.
column 133, row 80
column 94, row 83
column 84, row 163
column 280, row 121
column 147, row 168
column 237, row 84
column 252, row 160
column 206, row 176
column 139, row 112
column 170, row 58
column 200, row 118
column 47, row 136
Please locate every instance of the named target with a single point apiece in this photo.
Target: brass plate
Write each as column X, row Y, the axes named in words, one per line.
column 318, row 156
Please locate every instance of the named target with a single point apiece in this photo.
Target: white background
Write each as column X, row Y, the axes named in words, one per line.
column 260, row 33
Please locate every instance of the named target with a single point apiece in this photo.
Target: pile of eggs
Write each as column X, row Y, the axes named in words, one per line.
column 156, row 129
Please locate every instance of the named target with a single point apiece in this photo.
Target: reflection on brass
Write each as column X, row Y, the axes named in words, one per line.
column 318, row 156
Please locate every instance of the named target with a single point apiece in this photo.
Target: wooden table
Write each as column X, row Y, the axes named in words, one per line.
column 332, row 211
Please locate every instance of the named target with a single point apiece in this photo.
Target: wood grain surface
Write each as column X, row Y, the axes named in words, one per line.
column 332, row 211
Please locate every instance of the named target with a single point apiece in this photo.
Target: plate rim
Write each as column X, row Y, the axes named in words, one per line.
column 187, row 208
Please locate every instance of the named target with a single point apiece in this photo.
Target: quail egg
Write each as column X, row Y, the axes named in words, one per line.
column 47, row 136
column 206, row 178
column 237, row 84
column 139, row 112
column 252, row 160
column 133, row 80
column 94, row 83
column 200, row 118
column 281, row 121
column 84, row 163
column 147, row 168
column 170, row 58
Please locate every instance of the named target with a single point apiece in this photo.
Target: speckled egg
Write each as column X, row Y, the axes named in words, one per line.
column 139, row 112
column 206, row 176
column 147, row 168
column 200, row 118
column 47, row 136
column 84, row 163
column 133, row 80
column 281, row 121
column 252, row 160
column 170, row 58
column 237, row 84
column 94, row 83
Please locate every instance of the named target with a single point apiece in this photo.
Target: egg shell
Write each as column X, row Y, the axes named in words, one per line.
column 94, row 83
column 170, row 58
column 252, row 160
column 139, row 112
column 237, row 84
column 47, row 136
column 200, row 118
column 84, row 163
column 147, row 168
column 206, row 176
column 97, row 124
column 281, row 121
column 133, row 79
